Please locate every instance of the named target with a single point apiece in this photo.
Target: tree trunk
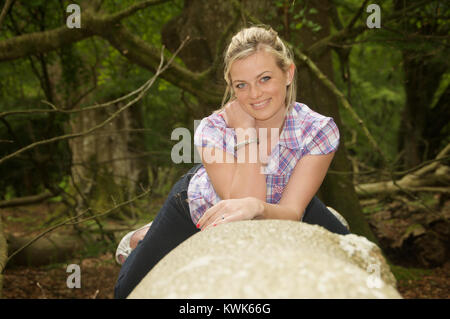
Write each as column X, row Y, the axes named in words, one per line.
column 108, row 163
column 420, row 133
column 337, row 190
column 3, row 254
column 422, row 77
column 106, row 166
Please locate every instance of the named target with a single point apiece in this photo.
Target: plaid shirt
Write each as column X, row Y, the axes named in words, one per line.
column 305, row 132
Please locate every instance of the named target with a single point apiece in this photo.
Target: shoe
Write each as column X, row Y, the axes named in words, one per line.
column 124, row 249
column 339, row 217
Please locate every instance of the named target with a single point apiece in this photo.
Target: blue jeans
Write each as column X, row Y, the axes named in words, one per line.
column 173, row 225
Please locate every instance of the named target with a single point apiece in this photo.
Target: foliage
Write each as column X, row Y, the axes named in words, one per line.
column 376, row 82
column 377, row 96
column 403, row 273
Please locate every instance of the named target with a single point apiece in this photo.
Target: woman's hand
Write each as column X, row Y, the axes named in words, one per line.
column 235, row 116
column 230, row 210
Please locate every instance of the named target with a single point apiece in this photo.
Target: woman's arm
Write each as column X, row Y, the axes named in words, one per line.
column 239, row 178
column 232, row 179
column 248, row 179
column 303, row 184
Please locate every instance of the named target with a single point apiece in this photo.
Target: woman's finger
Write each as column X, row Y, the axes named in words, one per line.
column 220, row 219
column 225, row 218
column 208, row 216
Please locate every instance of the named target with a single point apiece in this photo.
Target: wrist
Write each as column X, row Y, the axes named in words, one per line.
column 245, row 142
column 259, row 208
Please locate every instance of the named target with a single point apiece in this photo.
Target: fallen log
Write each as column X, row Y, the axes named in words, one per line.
column 26, row 200
column 51, row 248
column 434, row 177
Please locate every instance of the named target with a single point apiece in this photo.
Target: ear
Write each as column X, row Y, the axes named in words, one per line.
column 290, row 74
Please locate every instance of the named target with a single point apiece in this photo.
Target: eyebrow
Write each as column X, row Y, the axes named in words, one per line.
column 255, row 77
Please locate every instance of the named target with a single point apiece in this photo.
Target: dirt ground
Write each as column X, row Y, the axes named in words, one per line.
column 98, row 276
column 99, row 273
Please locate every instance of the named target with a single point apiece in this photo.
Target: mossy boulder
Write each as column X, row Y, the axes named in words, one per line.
column 270, row 259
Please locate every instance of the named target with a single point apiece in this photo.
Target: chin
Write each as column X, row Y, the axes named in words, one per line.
column 265, row 113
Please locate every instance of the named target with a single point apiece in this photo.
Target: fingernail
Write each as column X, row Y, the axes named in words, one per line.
column 214, row 224
column 198, row 225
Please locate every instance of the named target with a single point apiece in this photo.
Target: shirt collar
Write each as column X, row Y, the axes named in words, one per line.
column 290, row 133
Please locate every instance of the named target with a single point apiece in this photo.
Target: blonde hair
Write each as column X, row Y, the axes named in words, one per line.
column 251, row 40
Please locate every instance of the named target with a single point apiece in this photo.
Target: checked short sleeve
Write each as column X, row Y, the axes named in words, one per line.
column 213, row 132
column 323, row 137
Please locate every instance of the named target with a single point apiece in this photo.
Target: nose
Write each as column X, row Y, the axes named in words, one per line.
column 255, row 91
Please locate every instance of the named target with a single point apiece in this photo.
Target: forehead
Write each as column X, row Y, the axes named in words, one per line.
column 250, row 67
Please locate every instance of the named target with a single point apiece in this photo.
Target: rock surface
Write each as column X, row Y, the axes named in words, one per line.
column 270, row 259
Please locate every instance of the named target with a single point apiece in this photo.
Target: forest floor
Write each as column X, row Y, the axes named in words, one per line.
column 99, row 275
column 99, row 270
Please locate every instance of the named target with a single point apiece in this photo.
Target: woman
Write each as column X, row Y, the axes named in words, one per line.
column 264, row 156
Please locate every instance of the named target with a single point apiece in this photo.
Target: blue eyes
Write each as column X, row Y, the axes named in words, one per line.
column 263, row 80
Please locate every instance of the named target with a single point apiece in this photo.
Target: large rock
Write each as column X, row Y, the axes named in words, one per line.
column 270, row 259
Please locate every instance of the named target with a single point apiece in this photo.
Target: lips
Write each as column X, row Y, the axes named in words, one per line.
column 261, row 104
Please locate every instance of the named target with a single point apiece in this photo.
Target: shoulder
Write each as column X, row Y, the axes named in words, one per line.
column 212, row 131
column 213, row 121
column 303, row 124
column 303, row 116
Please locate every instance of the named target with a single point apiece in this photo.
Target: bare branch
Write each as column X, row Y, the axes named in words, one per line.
column 43, row 234
column 109, row 211
column 5, row 10
column 132, row 9
column 351, row 32
column 144, row 90
column 357, row 15
column 341, row 97
column 26, row 200
column 128, row 44
column 56, row 109
column 40, row 42
column 73, row 221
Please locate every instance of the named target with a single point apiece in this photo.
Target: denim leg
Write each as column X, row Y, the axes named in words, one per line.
column 317, row 214
column 171, row 227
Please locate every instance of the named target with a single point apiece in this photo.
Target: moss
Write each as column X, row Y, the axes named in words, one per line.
column 368, row 210
column 107, row 194
column 405, row 274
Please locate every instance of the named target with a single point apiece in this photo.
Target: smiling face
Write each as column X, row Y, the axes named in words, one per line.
column 260, row 86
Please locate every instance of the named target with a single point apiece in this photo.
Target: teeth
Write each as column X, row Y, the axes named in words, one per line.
column 260, row 104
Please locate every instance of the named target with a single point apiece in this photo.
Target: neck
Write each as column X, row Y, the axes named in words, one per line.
column 276, row 121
